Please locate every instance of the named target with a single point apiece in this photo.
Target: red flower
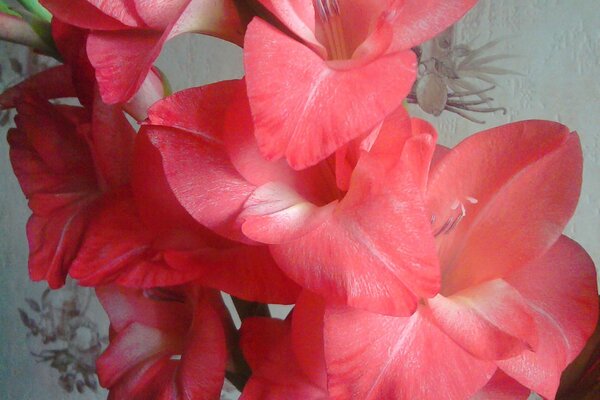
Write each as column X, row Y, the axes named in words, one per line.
column 165, row 343
column 346, row 67
column 65, row 157
column 126, row 37
column 141, row 237
column 370, row 248
column 103, row 211
column 516, row 296
column 286, row 357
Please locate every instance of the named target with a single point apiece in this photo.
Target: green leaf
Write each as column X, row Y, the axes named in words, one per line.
column 34, row 7
column 5, row 9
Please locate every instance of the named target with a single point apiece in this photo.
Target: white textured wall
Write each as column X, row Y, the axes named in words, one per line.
column 559, row 45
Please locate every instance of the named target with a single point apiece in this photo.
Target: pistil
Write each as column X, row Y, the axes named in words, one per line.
column 331, row 21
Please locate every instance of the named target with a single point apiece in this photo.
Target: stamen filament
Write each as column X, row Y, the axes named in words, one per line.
column 329, row 13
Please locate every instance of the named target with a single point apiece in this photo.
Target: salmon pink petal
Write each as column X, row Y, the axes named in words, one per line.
column 375, row 251
column 267, row 346
column 156, row 204
column 299, row 17
column 134, row 345
column 216, row 18
column 371, row 356
column 199, row 110
column 491, row 321
column 125, row 306
column 144, row 382
column 315, row 184
column 325, row 108
column 84, row 14
column 502, row 387
column 307, row 337
column 202, row 369
column 48, row 154
column 122, row 59
column 157, row 14
column 275, row 214
column 199, row 172
column 494, row 220
column 133, row 370
column 121, row 10
column 52, row 83
column 561, row 288
column 420, row 20
column 247, row 272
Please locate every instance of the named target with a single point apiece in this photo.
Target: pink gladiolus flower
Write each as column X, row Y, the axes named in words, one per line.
column 346, row 68
column 103, row 211
column 127, row 36
column 165, row 343
column 286, row 357
column 516, row 296
column 370, row 247
column 141, row 237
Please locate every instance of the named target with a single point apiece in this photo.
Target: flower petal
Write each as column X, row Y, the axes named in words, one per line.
column 247, row 272
column 420, row 20
column 112, row 138
column 507, row 206
column 119, row 247
column 84, row 14
column 267, row 346
column 371, row 356
column 52, row 83
column 125, row 306
column 122, row 59
column 299, row 17
column 276, row 214
column 133, row 370
column 325, row 108
column 307, row 337
column 55, row 170
column 502, row 387
column 491, row 320
column 375, row 251
column 200, row 110
column 200, row 173
column 561, row 289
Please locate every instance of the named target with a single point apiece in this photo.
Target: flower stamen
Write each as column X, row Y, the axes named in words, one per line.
column 461, row 211
column 329, row 14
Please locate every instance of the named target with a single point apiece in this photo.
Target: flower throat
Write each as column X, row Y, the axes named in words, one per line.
column 331, row 22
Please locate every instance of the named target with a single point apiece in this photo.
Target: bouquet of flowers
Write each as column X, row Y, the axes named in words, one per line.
column 416, row 271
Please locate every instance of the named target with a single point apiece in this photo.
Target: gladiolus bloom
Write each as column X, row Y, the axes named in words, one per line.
column 516, row 296
column 370, row 247
column 165, row 344
column 65, row 158
column 348, row 66
column 286, row 357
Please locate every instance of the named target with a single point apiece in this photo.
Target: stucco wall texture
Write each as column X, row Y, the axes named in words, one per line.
column 555, row 46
